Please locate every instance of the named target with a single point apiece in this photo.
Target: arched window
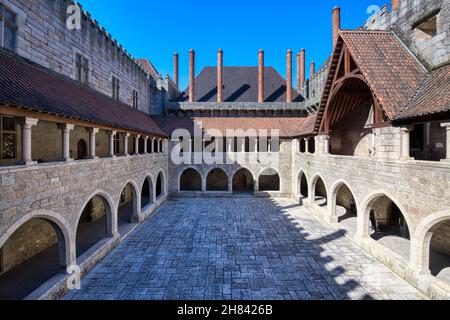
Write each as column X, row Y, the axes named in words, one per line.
column 269, row 180
column 147, row 193
column 190, row 180
column 243, row 181
column 217, row 180
column 160, row 185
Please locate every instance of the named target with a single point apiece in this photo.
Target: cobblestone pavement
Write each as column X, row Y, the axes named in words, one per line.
column 239, row 249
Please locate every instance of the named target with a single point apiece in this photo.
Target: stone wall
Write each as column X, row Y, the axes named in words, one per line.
column 432, row 51
column 43, row 38
column 284, row 170
column 29, row 240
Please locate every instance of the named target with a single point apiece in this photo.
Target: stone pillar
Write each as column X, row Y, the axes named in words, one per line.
column 145, row 145
column 404, row 133
column 306, row 145
column 125, row 144
column 151, row 145
column 447, row 143
column 136, row 145
column 326, row 144
column 111, row 135
column 27, row 124
column 92, row 133
column 65, row 130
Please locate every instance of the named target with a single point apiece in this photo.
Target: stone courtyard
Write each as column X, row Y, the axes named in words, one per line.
column 239, row 248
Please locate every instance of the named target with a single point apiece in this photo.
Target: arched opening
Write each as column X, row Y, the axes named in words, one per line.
column 269, row 180
column 351, row 116
column 33, row 254
column 320, row 196
column 159, row 186
column 303, row 185
column 312, row 145
column 127, row 211
column 82, row 149
column 147, row 193
column 190, row 180
column 217, row 180
column 345, row 208
column 93, row 224
column 243, row 181
column 439, row 258
column 388, row 226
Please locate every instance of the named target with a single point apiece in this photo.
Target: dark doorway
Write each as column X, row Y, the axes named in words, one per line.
column 190, row 180
column 217, row 180
column 82, row 151
column 269, row 180
column 243, row 181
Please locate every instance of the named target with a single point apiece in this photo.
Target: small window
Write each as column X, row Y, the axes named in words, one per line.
column 8, row 29
column 135, row 99
column 116, row 143
column 115, row 88
column 82, row 69
column 8, row 138
column 426, row 27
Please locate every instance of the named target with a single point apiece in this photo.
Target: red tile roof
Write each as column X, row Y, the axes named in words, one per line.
column 27, row 85
column 391, row 70
column 288, row 127
column 432, row 98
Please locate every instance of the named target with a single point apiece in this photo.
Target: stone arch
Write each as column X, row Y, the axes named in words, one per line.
column 269, row 180
column 147, row 192
column 160, row 185
column 128, row 203
column 377, row 228
column 217, row 180
column 342, row 195
column 82, row 245
column 242, row 180
column 302, row 184
column 318, row 192
column 27, row 270
column 190, row 179
column 422, row 255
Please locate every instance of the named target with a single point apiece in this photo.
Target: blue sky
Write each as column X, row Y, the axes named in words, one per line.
column 157, row 29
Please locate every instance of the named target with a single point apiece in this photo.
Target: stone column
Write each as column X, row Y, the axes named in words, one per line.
column 111, row 135
column 326, row 144
column 404, row 133
column 447, row 143
column 145, row 145
column 306, row 145
column 92, row 133
column 125, row 144
column 151, row 145
column 136, row 144
column 65, row 130
column 27, row 124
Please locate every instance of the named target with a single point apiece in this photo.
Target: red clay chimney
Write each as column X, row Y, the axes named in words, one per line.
column 395, row 4
column 301, row 68
column 175, row 69
column 191, row 75
column 312, row 69
column 289, row 76
column 219, row 75
column 336, row 24
column 261, row 76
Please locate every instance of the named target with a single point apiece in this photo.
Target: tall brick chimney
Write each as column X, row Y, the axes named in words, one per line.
column 312, row 69
column 175, row 69
column 191, row 75
column 219, row 76
column 336, row 24
column 301, row 69
column 289, row 76
column 261, row 76
column 395, row 4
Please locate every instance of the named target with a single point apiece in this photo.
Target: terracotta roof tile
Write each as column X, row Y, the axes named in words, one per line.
column 27, row 85
column 432, row 98
column 288, row 127
column 391, row 70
